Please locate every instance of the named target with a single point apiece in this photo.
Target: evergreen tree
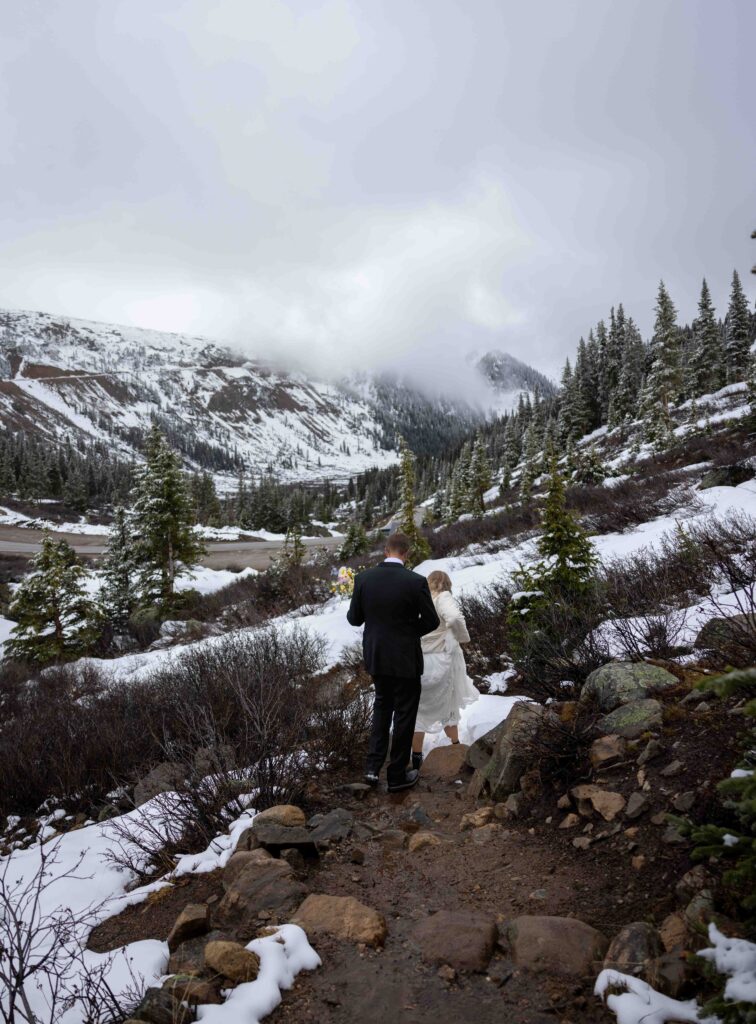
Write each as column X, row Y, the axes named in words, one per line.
column 510, row 454
column 163, row 521
column 120, row 572
column 55, row 619
column 531, row 452
column 567, row 399
column 480, row 476
column 355, row 542
column 706, row 370
column 664, row 381
column 420, row 549
column 738, row 332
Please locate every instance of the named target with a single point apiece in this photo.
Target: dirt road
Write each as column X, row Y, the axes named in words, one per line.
column 227, row 554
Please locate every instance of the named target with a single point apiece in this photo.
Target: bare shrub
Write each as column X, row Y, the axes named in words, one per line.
column 340, row 728
column 252, row 600
column 509, row 522
column 486, row 617
column 560, row 746
column 44, row 972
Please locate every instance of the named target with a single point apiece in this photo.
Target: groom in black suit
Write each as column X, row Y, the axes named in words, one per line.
column 396, row 607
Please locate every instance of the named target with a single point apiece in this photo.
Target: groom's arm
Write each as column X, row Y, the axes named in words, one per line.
column 428, row 620
column 355, row 615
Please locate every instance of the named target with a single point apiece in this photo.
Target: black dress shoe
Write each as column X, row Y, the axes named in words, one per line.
column 417, row 760
column 410, row 780
column 371, row 778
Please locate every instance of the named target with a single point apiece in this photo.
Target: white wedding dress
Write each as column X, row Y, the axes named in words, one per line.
column 446, row 686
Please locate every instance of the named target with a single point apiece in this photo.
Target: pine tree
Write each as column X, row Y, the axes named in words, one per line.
column 531, row 452
column 163, row 522
column 567, row 399
column 355, row 542
column 120, row 571
column 706, row 370
column 420, row 549
column 664, row 381
column 738, row 332
column 510, row 454
column 480, row 476
column 55, row 619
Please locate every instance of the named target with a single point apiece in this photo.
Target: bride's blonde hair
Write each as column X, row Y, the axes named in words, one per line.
column 438, row 581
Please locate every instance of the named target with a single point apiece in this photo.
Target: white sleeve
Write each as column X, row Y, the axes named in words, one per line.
column 453, row 618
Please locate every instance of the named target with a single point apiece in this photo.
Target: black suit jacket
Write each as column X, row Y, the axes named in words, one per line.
column 396, row 607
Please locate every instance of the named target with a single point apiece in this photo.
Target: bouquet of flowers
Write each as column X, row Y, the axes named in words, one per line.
column 343, row 582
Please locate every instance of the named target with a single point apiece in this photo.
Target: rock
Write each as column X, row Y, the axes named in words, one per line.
column 733, row 637
column 699, row 913
column 159, row 1007
column 581, row 842
column 638, row 862
column 281, row 814
column 511, row 756
column 603, row 801
column 208, row 760
column 673, row 768
column 332, row 827
column 421, row 840
column 673, row 932
column 275, row 838
column 189, row 957
column 684, row 802
column 530, row 785
column 445, row 764
column 294, row 857
column 564, row 802
column 231, row 960
column 668, row 974
column 267, row 886
column 194, row 991
column 476, row 785
column 513, row 807
column 632, row 948
column 726, row 476
column 359, row 790
column 691, row 883
column 632, row 720
column 671, row 837
column 239, row 860
column 559, row 945
column 464, row 940
column 624, row 682
column 343, row 917
column 248, row 840
column 652, row 749
column 476, row 819
column 570, row 821
column 193, row 920
column 357, row 855
column 416, row 816
column 164, row 778
column 607, row 751
column 393, row 838
column 637, row 804
column 483, row 835
column 480, row 752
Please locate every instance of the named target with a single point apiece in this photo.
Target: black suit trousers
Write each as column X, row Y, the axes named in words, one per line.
column 396, row 700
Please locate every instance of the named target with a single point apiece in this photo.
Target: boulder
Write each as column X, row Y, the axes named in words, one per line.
column 343, row 917
column 239, row 860
column 674, row 932
column 668, row 974
column 193, row 920
column 726, row 476
column 733, row 637
column 266, row 886
column 479, row 753
column 632, row 720
column 623, row 682
column 605, row 802
column 607, row 751
column 231, row 960
column 445, row 764
column 194, row 991
column 164, row 778
column 421, row 840
column 559, row 945
column 481, row 836
column 691, row 883
column 476, row 819
column 511, row 756
column 632, row 948
column 158, row 1006
column 332, row 827
column 651, row 750
column 281, row 814
column 464, row 940
column 208, row 760
column 275, row 838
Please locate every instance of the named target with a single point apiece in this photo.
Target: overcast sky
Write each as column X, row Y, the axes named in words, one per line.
column 372, row 183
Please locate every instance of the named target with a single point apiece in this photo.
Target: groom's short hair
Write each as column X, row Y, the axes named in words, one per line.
column 398, row 544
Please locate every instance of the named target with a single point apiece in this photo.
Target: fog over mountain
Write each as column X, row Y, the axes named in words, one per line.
column 374, row 186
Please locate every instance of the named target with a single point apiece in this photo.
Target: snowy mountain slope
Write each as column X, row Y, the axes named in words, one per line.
column 62, row 378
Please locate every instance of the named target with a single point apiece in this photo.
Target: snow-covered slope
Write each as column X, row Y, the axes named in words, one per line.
column 61, row 378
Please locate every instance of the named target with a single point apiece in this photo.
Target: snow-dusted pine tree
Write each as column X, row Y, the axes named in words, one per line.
column 55, row 618
column 163, row 521
column 737, row 332
column 420, row 549
column 664, row 381
column 480, row 476
column 120, row 571
column 706, row 367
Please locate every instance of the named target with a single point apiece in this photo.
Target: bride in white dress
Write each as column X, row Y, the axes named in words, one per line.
column 446, row 687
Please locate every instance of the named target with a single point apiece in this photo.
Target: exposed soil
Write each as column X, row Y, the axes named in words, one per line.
column 529, row 866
